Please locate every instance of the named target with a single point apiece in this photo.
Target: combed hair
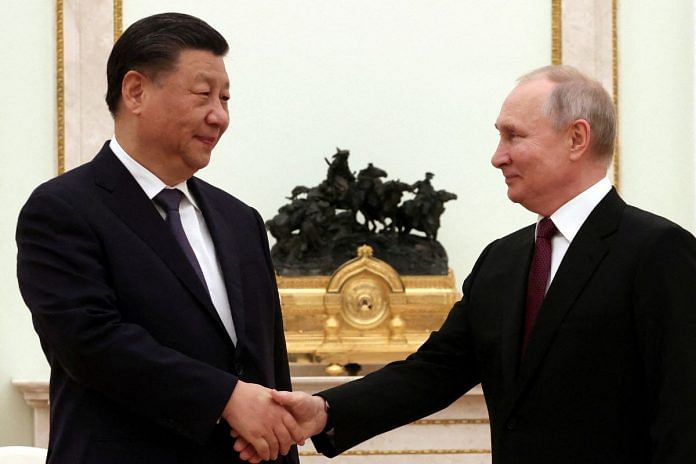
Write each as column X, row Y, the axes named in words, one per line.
column 153, row 45
column 577, row 96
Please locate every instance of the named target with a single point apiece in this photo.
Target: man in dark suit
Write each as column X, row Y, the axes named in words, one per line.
column 153, row 292
column 581, row 329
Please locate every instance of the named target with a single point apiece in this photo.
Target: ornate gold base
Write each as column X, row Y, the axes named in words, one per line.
column 365, row 312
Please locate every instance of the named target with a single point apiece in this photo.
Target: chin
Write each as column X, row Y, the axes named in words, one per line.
column 199, row 161
column 513, row 196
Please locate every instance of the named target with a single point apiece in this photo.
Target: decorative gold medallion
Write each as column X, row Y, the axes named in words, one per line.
column 364, row 302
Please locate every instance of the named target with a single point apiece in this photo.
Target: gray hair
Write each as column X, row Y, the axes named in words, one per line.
column 577, row 96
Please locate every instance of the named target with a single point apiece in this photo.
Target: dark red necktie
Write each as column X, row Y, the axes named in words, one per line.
column 539, row 273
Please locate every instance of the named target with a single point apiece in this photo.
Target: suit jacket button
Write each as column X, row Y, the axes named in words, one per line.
column 238, row 368
column 512, row 423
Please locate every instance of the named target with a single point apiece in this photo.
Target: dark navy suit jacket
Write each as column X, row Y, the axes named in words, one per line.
column 141, row 364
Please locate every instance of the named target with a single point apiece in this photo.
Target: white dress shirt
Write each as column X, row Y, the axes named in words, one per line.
column 569, row 218
column 195, row 228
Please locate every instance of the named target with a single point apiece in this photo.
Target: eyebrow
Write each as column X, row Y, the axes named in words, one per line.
column 504, row 126
column 204, row 76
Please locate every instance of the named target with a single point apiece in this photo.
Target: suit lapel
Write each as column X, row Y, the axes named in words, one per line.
column 520, row 256
column 226, row 241
column 127, row 200
column 579, row 263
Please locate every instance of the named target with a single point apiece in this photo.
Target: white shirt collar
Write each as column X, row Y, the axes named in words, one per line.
column 572, row 215
column 149, row 182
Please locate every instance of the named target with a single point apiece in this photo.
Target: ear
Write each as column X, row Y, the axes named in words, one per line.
column 133, row 91
column 579, row 134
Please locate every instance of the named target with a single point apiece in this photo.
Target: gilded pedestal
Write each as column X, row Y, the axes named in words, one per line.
column 365, row 312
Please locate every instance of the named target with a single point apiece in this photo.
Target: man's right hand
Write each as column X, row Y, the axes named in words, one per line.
column 309, row 412
column 263, row 423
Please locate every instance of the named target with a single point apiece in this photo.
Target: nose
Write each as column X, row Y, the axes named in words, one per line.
column 218, row 115
column 500, row 157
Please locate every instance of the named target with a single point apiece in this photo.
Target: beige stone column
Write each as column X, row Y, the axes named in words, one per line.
column 586, row 30
column 85, row 32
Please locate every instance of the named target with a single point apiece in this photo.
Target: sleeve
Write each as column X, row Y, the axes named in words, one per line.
column 665, row 296
column 442, row 370
column 64, row 280
column 281, row 368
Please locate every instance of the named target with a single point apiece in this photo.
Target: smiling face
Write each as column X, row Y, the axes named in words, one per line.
column 534, row 157
column 182, row 115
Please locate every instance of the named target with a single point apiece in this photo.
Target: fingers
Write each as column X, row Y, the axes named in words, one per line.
column 240, row 444
column 246, row 451
column 293, row 427
column 292, row 424
column 262, row 448
column 250, row 455
column 286, row 431
column 273, row 447
column 285, row 441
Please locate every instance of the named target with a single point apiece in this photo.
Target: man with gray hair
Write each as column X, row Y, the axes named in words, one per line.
column 580, row 328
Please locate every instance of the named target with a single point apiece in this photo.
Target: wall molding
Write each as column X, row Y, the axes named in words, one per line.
column 462, row 420
column 584, row 35
column 35, row 393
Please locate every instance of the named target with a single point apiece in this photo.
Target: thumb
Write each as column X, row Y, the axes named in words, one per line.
column 283, row 398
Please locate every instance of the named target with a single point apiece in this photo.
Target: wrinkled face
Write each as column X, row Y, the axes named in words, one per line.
column 185, row 112
column 532, row 155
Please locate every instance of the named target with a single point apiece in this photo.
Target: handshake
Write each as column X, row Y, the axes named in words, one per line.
column 267, row 422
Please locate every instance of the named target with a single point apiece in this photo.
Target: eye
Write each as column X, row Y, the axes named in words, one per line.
column 511, row 135
column 225, row 98
column 202, row 91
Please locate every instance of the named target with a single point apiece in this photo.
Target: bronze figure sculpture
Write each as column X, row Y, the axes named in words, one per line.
column 320, row 228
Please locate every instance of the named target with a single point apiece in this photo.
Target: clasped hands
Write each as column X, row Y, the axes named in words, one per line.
column 267, row 422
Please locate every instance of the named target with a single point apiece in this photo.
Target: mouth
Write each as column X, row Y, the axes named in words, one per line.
column 207, row 141
column 510, row 178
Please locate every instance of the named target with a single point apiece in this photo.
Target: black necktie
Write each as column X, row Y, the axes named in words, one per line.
column 169, row 200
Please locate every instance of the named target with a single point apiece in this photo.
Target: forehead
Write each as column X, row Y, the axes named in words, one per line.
column 525, row 103
column 201, row 65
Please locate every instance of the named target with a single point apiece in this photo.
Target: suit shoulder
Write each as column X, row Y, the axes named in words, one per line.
column 221, row 197
column 68, row 185
column 508, row 244
column 646, row 218
column 638, row 220
column 514, row 237
column 647, row 232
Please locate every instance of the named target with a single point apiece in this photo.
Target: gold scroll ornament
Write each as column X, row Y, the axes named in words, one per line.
column 365, row 312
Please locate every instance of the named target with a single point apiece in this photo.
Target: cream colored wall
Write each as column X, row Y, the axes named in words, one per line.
column 656, row 78
column 410, row 85
column 27, row 157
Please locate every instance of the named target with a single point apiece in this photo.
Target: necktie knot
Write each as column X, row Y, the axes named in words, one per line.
column 169, row 199
column 546, row 228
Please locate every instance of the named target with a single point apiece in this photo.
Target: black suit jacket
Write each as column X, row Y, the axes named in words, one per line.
column 610, row 372
column 141, row 364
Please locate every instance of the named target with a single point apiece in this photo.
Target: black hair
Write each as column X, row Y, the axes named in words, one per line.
column 153, row 44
